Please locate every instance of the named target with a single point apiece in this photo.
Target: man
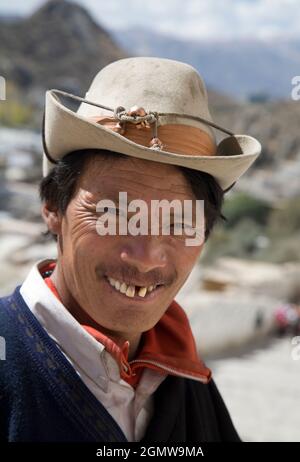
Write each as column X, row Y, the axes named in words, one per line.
column 97, row 347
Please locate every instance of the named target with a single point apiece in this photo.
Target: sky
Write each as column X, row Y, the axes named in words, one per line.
column 190, row 19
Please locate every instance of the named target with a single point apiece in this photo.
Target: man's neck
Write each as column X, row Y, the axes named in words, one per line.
column 84, row 319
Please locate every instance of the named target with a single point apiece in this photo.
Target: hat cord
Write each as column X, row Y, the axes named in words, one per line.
column 123, row 117
column 151, row 117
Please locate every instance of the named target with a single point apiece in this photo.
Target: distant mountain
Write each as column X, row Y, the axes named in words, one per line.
column 7, row 18
column 59, row 45
column 240, row 68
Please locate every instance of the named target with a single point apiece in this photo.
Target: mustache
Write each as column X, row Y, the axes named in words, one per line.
column 129, row 273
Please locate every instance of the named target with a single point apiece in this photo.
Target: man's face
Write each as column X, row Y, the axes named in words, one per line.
column 87, row 259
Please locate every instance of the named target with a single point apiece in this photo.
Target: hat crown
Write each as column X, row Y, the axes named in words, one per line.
column 156, row 84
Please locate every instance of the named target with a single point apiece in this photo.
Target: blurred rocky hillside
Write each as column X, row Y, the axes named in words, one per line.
column 61, row 46
column 249, row 67
column 276, row 173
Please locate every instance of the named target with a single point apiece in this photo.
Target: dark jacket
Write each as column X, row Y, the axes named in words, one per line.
column 42, row 398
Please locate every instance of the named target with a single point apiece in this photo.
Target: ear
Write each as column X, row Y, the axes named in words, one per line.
column 52, row 218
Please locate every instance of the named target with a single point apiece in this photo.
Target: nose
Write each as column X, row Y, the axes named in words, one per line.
column 145, row 253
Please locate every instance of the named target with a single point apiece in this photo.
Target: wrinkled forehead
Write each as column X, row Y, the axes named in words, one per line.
column 138, row 177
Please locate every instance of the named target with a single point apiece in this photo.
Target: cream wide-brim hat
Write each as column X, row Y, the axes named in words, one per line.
column 167, row 98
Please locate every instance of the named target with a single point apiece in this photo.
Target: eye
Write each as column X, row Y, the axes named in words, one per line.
column 180, row 225
column 115, row 211
column 110, row 210
column 177, row 225
column 176, row 229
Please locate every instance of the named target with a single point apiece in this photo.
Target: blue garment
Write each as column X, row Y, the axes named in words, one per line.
column 42, row 398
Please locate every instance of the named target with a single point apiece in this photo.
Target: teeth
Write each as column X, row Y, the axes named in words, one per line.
column 129, row 291
column 123, row 288
column 142, row 291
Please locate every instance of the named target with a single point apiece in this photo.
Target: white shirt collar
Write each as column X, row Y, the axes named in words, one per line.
column 77, row 344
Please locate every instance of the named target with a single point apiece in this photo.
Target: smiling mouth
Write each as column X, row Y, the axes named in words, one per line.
column 134, row 292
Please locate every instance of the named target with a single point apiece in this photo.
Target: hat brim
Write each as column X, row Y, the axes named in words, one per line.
column 66, row 131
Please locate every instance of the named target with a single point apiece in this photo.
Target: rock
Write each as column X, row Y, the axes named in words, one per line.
column 268, row 279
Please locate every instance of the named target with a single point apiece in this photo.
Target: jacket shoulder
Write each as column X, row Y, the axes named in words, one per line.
column 212, row 404
column 8, row 318
column 12, row 352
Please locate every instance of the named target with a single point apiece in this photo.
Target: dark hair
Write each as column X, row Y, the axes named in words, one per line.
column 59, row 186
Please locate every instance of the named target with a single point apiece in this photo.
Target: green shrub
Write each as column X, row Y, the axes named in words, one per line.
column 242, row 206
column 13, row 113
column 250, row 219
column 284, row 220
column 238, row 241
